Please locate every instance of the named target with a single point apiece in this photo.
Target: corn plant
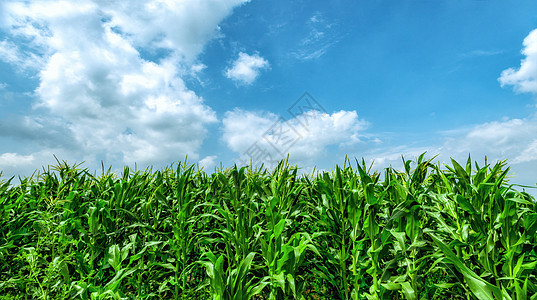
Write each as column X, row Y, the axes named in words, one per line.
column 428, row 231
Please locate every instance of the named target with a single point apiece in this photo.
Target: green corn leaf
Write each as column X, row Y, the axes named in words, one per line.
column 505, row 294
column 292, row 284
column 465, row 204
column 114, row 257
column 461, row 173
column 278, row 228
column 482, row 289
column 400, row 238
column 257, row 288
column 408, row 291
column 521, row 292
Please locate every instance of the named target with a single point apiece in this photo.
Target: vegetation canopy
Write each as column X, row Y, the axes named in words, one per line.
column 424, row 232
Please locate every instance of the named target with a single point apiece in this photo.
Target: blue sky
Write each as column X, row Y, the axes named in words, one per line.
column 153, row 81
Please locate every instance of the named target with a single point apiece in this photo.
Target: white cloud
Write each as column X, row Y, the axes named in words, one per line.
column 511, row 139
column 93, row 81
column 236, row 121
column 321, row 36
column 14, row 160
column 10, row 53
column 525, row 78
column 207, row 163
column 303, row 143
column 498, row 140
column 529, row 154
column 178, row 25
column 24, row 165
column 3, row 85
column 246, row 68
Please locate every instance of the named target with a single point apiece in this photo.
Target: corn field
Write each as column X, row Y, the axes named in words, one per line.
column 425, row 232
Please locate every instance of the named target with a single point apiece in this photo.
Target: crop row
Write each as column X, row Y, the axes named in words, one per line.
column 425, row 232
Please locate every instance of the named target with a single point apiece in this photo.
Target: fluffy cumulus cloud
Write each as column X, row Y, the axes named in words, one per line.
column 207, row 163
column 14, row 159
column 15, row 164
column 529, row 154
column 246, row 68
column 97, row 93
column 525, row 78
column 511, row 139
column 305, row 138
column 520, row 136
column 514, row 139
column 499, row 139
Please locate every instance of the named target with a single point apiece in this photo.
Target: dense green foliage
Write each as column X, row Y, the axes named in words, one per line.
column 426, row 232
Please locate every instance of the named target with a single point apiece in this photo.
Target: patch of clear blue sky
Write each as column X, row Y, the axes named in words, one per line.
column 408, row 67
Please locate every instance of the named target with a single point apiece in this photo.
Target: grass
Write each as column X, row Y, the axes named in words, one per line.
column 425, row 232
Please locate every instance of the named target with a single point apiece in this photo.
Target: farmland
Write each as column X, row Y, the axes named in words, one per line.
column 429, row 231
